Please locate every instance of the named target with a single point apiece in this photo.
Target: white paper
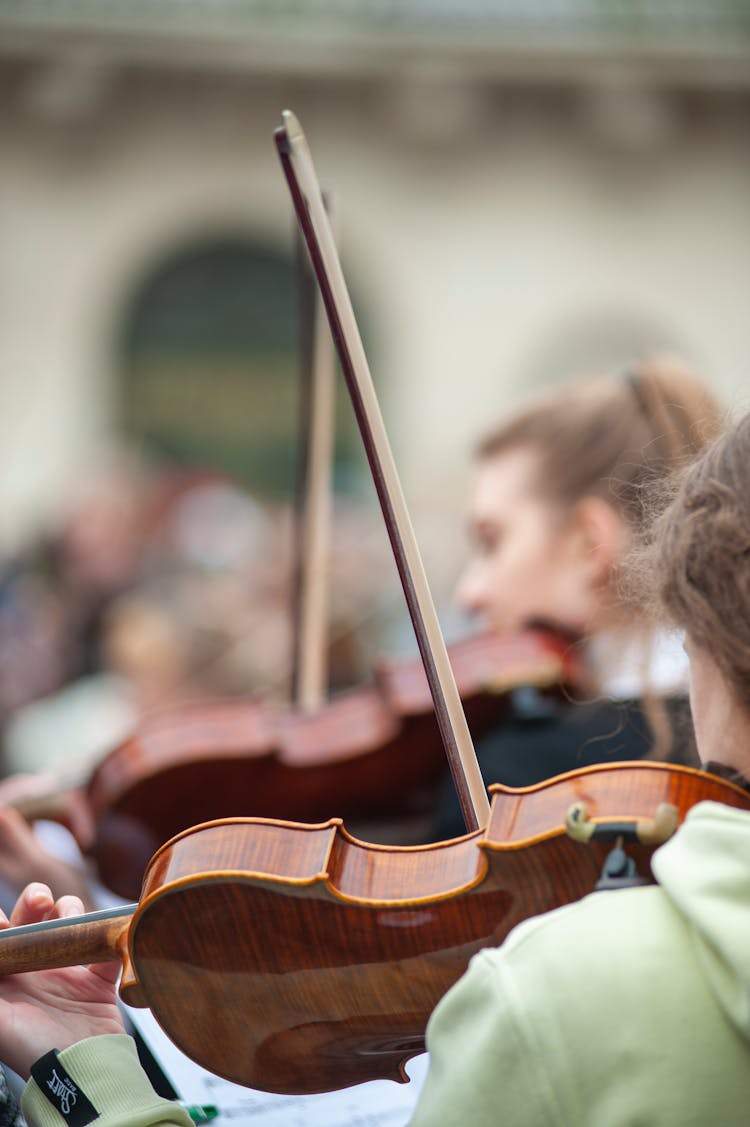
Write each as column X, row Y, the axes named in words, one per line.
column 381, row 1103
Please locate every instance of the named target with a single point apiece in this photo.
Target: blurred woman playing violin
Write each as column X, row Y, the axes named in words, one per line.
column 625, row 1007
column 556, row 500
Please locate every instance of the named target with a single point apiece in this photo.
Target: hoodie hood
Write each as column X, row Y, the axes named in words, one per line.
column 705, row 871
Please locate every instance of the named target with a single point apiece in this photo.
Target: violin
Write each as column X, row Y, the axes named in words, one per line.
column 370, row 754
column 297, row 959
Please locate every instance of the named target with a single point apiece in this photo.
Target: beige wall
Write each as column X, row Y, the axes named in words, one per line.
column 499, row 240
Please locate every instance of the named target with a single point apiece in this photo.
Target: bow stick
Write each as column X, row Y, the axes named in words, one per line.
column 313, row 500
column 311, row 215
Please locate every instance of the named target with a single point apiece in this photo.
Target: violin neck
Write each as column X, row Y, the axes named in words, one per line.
column 75, row 941
column 48, row 794
column 50, row 807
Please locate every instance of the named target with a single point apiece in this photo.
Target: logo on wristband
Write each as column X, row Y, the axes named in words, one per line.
column 62, row 1092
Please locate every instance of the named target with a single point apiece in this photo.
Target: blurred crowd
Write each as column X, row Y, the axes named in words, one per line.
column 157, row 585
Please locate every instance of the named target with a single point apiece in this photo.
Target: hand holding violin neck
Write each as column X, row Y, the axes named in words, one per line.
column 97, row 937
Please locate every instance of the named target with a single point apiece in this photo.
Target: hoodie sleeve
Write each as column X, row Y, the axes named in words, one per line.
column 103, row 1074
column 485, row 1065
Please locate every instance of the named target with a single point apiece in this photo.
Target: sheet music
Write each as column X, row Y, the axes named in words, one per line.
column 380, row 1103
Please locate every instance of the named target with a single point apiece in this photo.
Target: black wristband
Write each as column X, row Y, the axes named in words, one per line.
column 62, row 1092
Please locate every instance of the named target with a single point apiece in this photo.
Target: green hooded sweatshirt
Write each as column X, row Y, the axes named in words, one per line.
column 630, row 1007
column 627, row 1008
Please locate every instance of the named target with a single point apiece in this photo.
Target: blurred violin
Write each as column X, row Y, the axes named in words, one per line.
column 371, row 754
column 296, row 959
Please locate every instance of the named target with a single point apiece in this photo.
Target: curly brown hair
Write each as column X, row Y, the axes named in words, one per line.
column 699, row 556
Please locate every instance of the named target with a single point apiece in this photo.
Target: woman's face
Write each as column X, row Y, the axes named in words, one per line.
column 531, row 560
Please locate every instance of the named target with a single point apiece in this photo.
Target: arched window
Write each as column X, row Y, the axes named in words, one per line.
column 210, row 366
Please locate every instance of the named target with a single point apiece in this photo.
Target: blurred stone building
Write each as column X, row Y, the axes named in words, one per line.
column 527, row 190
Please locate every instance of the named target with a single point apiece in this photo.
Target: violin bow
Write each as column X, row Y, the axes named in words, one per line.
column 313, row 492
column 306, row 196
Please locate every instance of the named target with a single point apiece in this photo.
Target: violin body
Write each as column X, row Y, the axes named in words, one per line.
column 369, row 754
column 297, row 959
column 310, row 961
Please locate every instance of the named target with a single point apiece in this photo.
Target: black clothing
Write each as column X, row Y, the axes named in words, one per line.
column 544, row 738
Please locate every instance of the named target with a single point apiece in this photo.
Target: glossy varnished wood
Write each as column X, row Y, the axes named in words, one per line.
column 371, row 753
column 98, row 937
column 343, row 949
column 294, row 958
column 635, row 791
